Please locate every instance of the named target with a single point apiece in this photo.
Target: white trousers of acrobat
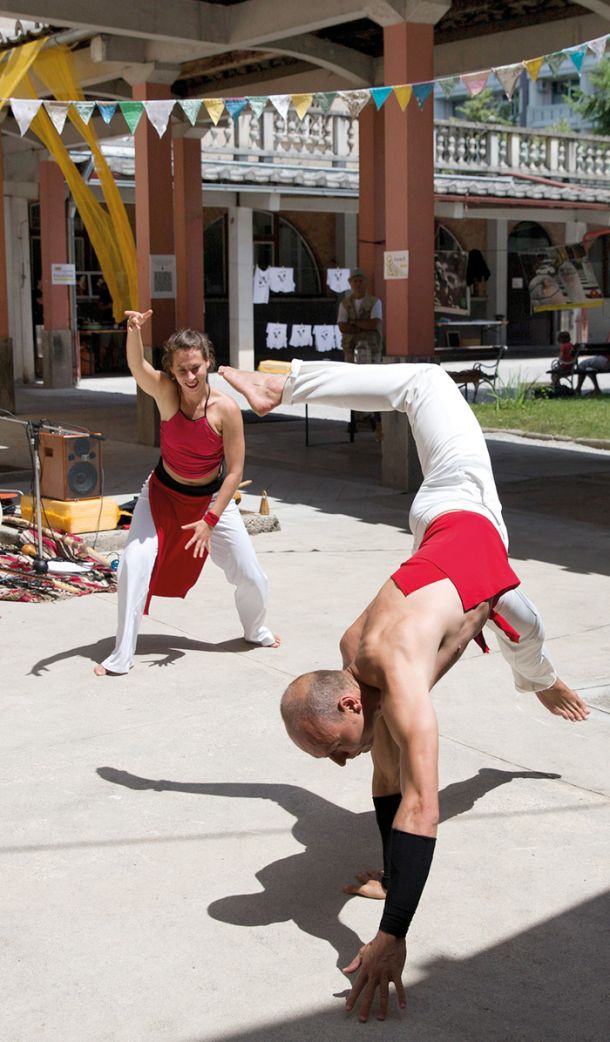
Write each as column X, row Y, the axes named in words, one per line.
column 457, row 472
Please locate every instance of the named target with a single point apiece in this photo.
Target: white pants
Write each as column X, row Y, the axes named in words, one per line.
column 230, row 548
column 456, row 468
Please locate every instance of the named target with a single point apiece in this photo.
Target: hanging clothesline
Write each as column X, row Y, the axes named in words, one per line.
column 159, row 112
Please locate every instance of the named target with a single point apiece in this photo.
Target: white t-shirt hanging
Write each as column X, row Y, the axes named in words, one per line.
column 300, row 336
column 337, row 279
column 277, row 335
column 376, row 311
column 260, row 290
column 281, row 280
column 324, row 337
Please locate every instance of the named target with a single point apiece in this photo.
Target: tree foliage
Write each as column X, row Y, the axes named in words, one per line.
column 486, row 107
column 595, row 107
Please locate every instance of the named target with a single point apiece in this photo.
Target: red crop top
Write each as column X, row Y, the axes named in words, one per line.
column 191, row 448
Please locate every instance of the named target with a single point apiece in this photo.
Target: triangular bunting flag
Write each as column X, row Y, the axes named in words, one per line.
column 158, row 113
column 578, row 56
column 234, row 106
column 475, row 82
column 533, row 67
column 508, row 76
column 422, row 92
column 554, row 61
column 215, row 107
column 598, row 46
column 380, row 95
column 301, row 104
column 324, row 101
column 191, row 107
column 132, row 112
column 258, row 105
column 107, row 109
column 355, row 100
column 280, row 102
column 57, row 112
column 24, row 111
column 403, row 95
column 84, row 109
column 448, row 85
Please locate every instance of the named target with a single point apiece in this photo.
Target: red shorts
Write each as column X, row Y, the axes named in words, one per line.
column 467, row 549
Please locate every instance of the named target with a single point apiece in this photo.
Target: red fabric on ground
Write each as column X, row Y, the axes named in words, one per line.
column 176, row 570
column 467, row 549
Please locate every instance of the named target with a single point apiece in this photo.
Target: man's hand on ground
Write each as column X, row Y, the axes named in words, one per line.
column 380, row 962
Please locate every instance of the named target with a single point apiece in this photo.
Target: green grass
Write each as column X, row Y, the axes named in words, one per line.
column 562, row 417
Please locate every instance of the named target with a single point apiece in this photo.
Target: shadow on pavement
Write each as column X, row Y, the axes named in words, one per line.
column 307, row 887
column 167, row 648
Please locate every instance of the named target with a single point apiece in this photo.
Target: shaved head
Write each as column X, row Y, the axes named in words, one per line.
column 313, row 696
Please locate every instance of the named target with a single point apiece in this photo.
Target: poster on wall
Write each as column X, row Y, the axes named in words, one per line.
column 451, row 295
column 560, row 278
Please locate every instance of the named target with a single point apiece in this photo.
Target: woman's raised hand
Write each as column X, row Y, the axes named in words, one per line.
column 136, row 319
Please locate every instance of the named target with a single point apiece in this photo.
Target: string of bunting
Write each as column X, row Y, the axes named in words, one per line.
column 159, row 112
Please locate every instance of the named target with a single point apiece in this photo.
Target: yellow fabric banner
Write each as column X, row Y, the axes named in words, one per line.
column 16, row 66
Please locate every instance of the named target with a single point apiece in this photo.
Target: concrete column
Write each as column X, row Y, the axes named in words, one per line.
column 241, row 268
column 409, row 192
column 346, row 239
column 575, row 232
column 19, row 278
column 188, row 233
column 154, row 236
column 58, row 345
column 371, row 201
column 7, row 376
column 497, row 255
column 408, row 206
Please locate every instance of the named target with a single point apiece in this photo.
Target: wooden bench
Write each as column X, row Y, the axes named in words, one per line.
column 479, row 371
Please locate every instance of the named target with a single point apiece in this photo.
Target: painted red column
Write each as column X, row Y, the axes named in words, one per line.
column 371, row 203
column 58, row 362
column 154, row 236
column 409, row 192
column 53, row 245
column 188, row 233
column 7, row 376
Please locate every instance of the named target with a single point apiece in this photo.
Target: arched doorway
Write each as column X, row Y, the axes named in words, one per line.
column 523, row 327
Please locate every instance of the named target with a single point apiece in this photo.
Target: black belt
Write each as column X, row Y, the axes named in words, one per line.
column 201, row 491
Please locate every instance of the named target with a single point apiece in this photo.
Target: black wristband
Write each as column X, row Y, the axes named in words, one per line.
column 410, row 860
column 385, row 812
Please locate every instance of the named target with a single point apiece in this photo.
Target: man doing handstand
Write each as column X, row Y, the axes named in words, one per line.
column 457, row 581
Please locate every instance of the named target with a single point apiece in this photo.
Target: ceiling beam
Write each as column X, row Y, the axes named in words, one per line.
column 350, row 64
column 601, row 7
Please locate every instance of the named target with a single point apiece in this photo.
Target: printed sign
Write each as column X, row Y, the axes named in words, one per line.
column 396, row 264
column 63, row 275
column 560, row 278
column 162, row 276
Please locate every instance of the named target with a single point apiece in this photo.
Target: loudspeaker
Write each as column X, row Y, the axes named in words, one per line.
column 70, row 466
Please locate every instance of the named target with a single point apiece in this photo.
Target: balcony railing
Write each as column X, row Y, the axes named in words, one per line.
column 494, row 149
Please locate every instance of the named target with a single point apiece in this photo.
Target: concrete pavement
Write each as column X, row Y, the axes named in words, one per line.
column 172, row 865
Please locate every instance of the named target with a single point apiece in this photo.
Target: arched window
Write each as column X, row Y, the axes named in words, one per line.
column 527, row 235
column 276, row 243
column 445, row 241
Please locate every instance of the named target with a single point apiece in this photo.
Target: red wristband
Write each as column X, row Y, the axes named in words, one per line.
column 211, row 519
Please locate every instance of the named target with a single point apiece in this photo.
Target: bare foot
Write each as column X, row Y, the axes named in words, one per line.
column 562, row 701
column 100, row 671
column 369, row 885
column 262, row 390
column 275, row 643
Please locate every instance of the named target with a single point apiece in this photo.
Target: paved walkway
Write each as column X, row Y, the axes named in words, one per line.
column 172, row 865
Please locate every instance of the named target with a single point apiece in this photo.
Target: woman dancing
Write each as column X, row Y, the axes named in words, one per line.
column 187, row 502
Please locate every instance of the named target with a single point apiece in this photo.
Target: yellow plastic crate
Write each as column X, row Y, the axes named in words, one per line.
column 74, row 515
